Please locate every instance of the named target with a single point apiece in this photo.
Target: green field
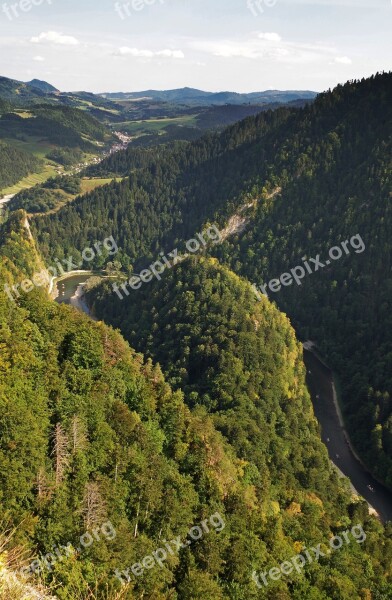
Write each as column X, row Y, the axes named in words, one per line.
column 34, row 145
column 39, row 148
column 24, row 114
column 51, row 169
column 156, row 125
column 87, row 185
column 90, row 184
column 30, row 180
column 86, row 104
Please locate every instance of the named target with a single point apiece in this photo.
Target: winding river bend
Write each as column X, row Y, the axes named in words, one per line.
column 69, row 290
column 320, row 383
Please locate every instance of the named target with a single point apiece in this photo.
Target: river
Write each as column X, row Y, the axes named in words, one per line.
column 320, row 383
column 69, row 290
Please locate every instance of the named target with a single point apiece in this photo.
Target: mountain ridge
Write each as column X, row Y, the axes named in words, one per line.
column 107, row 437
column 192, row 96
column 37, row 89
column 322, row 155
column 44, row 86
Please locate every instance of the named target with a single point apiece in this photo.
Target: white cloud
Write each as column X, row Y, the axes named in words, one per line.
column 171, row 53
column 270, row 37
column 55, row 37
column 137, row 53
column 38, row 58
column 126, row 51
column 231, row 50
column 343, row 60
column 267, row 47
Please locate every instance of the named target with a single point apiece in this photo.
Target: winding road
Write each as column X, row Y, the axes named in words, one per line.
column 6, row 199
column 321, row 386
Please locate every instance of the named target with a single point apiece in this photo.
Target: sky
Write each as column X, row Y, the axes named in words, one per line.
column 214, row 45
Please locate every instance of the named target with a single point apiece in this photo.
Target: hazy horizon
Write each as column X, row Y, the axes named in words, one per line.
column 244, row 45
column 183, row 87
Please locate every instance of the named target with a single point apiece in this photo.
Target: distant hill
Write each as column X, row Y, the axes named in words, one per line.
column 20, row 93
column 45, row 87
column 42, row 130
column 86, row 98
column 26, row 94
column 37, row 118
column 196, row 97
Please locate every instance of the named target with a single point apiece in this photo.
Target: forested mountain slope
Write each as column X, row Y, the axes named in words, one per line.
column 91, row 433
column 342, row 189
column 5, row 106
column 60, row 125
column 20, row 93
column 15, row 164
column 235, row 356
column 189, row 96
column 45, row 138
column 331, row 161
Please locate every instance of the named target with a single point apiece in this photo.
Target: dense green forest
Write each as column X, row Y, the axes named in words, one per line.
column 65, row 156
column 46, row 196
column 92, row 432
column 29, row 94
column 61, row 125
column 309, row 179
column 5, row 106
column 19, row 93
column 15, row 164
